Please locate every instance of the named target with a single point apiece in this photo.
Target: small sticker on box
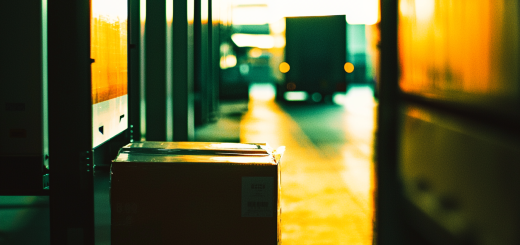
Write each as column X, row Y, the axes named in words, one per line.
column 257, row 196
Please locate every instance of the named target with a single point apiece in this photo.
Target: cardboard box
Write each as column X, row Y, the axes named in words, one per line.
column 195, row 193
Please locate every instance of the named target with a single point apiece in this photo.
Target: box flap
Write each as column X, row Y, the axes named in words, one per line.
column 197, row 148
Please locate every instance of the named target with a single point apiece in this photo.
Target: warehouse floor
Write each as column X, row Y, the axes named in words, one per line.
column 327, row 170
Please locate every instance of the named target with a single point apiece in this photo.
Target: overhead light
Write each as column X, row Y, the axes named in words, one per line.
column 110, row 8
column 424, row 9
column 364, row 12
column 294, row 8
column 251, row 15
column 252, row 40
column 250, row 2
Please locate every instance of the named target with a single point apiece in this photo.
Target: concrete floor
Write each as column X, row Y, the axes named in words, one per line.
column 327, row 171
column 24, row 220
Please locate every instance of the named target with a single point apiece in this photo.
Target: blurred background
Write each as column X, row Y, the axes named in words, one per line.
column 400, row 117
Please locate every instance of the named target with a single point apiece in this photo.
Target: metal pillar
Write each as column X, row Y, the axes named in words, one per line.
column 156, row 71
column 70, row 122
column 388, row 196
column 134, row 69
column 183, row 70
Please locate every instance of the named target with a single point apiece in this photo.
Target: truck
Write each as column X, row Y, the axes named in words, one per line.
column 315, row 58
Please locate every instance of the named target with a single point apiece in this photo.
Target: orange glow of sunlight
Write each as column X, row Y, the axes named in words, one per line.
column 108, row 49
column 326, row 197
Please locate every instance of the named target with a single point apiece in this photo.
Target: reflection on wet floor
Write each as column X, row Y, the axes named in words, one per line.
column 327, row 186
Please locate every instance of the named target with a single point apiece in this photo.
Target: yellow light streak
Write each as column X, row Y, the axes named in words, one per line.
column 326, row 196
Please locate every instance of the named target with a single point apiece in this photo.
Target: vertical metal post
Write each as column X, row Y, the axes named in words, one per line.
column 201, row 62
column 389, row 197
column 134, row 90
column 205, row 74
column 70, row 123
column 213, row 47
column 198, row 72
column 183, row 65
column 156, row 89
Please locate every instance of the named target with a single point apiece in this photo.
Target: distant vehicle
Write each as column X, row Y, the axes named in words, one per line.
column 315, row 52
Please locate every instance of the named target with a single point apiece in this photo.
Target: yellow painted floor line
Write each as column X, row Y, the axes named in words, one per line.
column 319, row 206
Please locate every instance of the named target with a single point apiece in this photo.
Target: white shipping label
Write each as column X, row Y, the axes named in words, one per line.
column 258, row 196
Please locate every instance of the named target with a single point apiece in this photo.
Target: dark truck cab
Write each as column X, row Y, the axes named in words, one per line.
column 316, row 53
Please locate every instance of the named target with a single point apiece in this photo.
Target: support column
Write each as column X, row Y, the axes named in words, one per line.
column 70, row 123
column 389, row 198
column 183, row 70
column 158, row 76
